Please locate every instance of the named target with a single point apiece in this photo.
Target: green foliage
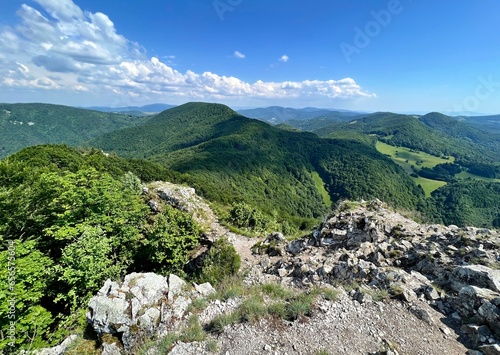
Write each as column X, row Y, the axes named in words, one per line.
column 276, row 291
column 252, row 309
column 42, row 123
column 300, row 306
column 468, row 203
column 168, row 240
column 85, row 264
column 23, row 290
column 229, row 158
column 221, row 262
column 218, row 324
column 132, row 182
column 73, row 227
column 245, row 216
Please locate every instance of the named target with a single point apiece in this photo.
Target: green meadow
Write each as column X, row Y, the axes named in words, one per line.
column 407, row 158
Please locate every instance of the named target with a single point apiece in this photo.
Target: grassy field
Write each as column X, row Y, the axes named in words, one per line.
column 428, row 185
column 320, row 185
column 407, row 158
column 465, row 175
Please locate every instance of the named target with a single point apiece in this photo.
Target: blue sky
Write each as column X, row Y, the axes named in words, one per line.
column 392, row 55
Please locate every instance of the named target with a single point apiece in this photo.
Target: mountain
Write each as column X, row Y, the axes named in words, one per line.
column 152, row 108
column 278, row 114
column 23, row 125
column 434, row 133
column 485, row 123
column 228, row 157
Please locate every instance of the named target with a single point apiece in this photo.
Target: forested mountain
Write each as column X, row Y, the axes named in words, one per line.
column 485, row 123
column 283, row 172
column 433, row 133
column 23, row 125
column 229, row 158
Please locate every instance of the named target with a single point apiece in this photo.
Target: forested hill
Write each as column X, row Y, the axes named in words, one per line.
column 434, row 133
column 23, row 125
column 228, row 158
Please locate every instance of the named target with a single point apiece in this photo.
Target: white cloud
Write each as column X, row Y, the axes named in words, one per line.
column 238, row 54
column 284, row 58
column 91, row 58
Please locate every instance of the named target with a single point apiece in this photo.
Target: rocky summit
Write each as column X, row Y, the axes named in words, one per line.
column 366, row 281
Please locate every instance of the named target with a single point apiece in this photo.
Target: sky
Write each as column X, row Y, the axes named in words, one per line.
column 378, row 55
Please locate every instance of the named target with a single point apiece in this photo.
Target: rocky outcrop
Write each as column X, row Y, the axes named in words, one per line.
column 374, row 246
column 141, row 306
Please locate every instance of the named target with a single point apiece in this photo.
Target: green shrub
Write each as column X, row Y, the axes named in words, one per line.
column 245, row 216
column 277, row 309
column 221, row 262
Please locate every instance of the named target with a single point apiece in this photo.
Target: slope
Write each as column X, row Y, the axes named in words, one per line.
column 23, row 125
column 434, row 133
column 228, row 158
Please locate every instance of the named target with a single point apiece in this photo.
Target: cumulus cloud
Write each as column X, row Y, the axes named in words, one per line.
column 58, row 46
column 239, row 55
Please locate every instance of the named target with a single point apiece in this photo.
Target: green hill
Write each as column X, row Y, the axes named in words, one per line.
column 228, row 158
column 23, row 125
column 433, row 133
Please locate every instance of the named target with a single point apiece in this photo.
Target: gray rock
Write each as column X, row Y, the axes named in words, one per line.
column 110, row 349
column 493, row 349
column 476, row 275
column 474, row 352
column 108, row 315
column 205, row 289
column 296, row 246
column 431, row 294
column 479, row 334
column 470, row 298
column 176, row 285
column 59, row 349
column 421, row 314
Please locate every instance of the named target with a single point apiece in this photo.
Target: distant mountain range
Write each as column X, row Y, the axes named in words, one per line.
column 300, row 164
column 152, row 108
column 278, row 114
column 230, row 157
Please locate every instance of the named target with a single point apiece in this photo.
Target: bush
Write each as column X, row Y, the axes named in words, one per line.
column 222, row 261
column 245, row 216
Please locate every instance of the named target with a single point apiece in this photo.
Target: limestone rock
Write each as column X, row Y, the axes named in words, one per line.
column 476, row 275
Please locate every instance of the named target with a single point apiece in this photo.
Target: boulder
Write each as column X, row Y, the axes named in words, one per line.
column 138, row 306
column 475, row 275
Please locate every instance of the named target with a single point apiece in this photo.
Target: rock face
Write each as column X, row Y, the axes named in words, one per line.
column 143, row 305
